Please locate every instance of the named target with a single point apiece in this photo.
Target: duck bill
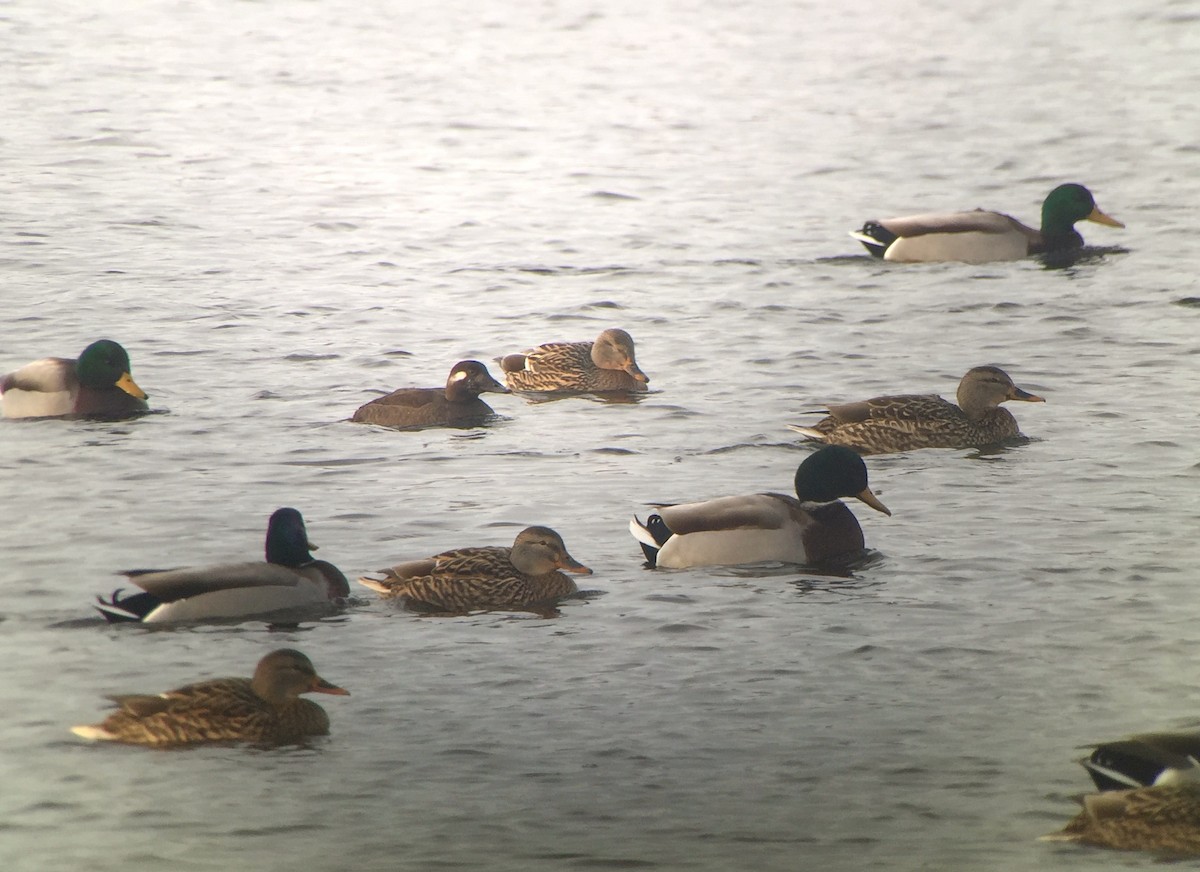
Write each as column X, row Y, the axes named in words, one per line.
column 637, row 373
column 570, row 564
column 1100, row 218
column 320, row 685
column 129, row 386
column 496, row 388
column 871, row 500
column 1024, row 396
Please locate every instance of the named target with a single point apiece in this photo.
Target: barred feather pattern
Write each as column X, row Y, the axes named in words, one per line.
column 1163, row 819
column 568, row 366
column 477, row 579
column 225, row 709
column 906, row 423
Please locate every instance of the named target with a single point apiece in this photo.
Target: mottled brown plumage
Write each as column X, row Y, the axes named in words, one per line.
column 907, row 422
column 1161, row 819
column 523, row 577
column 456, row 405
column 604, row 365
column 265, row 709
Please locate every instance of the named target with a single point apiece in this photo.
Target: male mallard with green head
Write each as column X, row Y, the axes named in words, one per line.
column 290, row 579
column 815, row 527
column 97, row 383
column 981, row 236
column 910, row 421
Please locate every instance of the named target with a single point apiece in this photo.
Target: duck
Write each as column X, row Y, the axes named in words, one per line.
column 265, row 709
column 456, row 405
column 883, row 425
column 607, row 364
column 525, row 577
column 1164, row 819
column 95, row 384
column 1145, row 760
column 289, row 579
column 981, row 236
column 814, row 527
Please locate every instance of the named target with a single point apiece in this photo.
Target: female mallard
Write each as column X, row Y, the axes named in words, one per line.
column 1144, row 760
column 604, row 365
column 1161, row 819
column 524, row 576
column 813, row 528
column 265, row 709
column 908, row 422
column 97, row 383
column 457, row 405
column 290, row 579
column 980, row 236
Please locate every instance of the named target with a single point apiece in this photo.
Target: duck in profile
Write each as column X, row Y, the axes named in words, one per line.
column 96, row 384
column 605, row 365
column 265, row 709
column 1145, row 760
column 981, row 236
column 457, row 405
column 1163, row 819
column 907, row 422
column 525, row 577
column 290, row 579
column 815, row 527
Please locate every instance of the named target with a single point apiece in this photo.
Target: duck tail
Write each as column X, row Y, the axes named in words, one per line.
column 374, row 583
column 811, row 432
column 128, row 609
column 651, row 535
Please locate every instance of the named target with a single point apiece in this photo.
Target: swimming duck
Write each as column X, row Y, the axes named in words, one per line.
column 908, row 422
column 290, row 579
column 96, row 383
column 456, row 405
column 1161, row 819
column 813, row 528
column 981, row 236
column 265, row 709
column 604, row 365
column 523, row 577
column 1145, row 760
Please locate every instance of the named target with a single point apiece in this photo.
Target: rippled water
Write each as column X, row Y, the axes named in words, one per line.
column 283, row 208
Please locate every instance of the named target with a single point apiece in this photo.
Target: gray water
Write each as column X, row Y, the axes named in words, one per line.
column 282, row 209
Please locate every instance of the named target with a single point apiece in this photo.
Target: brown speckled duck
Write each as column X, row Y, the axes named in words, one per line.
column 1163, row 819
column 457, row 405
column 97, row 383
column 908, row 422
column 523, row 577
column 981, row 236
column 265, row 709
column 590, row 367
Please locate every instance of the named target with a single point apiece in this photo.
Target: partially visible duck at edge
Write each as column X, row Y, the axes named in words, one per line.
column 607, row 364
column 525, row 577
column 96, row 384
column 289, row 579
column 1164, row 820
column 981, row 236
column 265, row 709
column 814, row 527
column 907, row 422
column 456, row 405
column 1145, row 760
